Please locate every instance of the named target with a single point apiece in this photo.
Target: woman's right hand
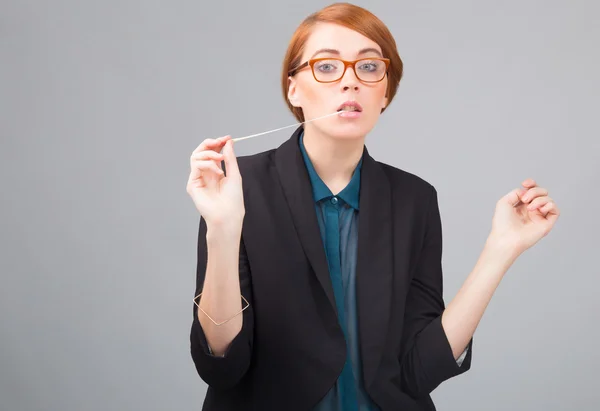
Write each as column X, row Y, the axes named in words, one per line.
column 219, row 199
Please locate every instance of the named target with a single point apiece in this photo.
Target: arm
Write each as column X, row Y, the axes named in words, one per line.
column 427, row 357
column 222, row 353
column 522, row 217
column 434, row 336
column 462, row 316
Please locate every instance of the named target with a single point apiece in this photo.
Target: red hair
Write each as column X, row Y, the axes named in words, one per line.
column 355, row 18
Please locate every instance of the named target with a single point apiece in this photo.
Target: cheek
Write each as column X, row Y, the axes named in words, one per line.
column 316, row 94
column 380, row 92
column 373, row 97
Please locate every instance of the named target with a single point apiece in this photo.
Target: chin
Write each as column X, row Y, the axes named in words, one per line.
column 346, row 136
column 347, row 130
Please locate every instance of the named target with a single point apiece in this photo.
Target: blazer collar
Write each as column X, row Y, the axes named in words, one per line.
column 375, row 261
column 350, row 194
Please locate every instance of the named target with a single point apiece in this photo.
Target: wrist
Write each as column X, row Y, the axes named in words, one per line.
column 503, row 248
column 223, row 231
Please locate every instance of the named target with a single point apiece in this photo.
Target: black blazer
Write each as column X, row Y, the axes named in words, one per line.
column 291, row 348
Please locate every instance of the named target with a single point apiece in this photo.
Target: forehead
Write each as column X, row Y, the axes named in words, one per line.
column 335, row 36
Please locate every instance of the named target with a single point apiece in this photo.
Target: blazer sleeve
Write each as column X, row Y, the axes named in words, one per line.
column 222, row 372
column 426, row 358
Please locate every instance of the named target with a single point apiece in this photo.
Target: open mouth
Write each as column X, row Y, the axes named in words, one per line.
column 350, row 106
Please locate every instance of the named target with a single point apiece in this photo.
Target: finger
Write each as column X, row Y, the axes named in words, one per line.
column 533, row 193
column 549, row 208
column 512, row 197
column 205, row 168
column 214, row 144
column 207, row 144
column 538, row 202
column 208, row 174
column 214, row 157
column 528, row 183
column 551, row 213
column 207, row 155
column 231, row 164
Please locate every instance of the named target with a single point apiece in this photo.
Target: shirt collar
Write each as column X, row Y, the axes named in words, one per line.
column 350, row 194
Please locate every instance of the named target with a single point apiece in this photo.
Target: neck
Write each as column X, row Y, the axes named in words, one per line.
column 334, row 160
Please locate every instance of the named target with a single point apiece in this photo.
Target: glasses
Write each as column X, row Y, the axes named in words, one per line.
column 328, row 70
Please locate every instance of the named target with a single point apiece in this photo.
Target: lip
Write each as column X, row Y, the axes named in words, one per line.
column 351, row 103
column 350, row 114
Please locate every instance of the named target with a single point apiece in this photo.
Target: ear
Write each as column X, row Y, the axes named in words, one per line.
column 384, row 102
column 293, row 93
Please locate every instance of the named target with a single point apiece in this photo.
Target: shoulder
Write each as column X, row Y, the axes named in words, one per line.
column 256, row 164
column 405, row 183
column 414, row 195
column 259, row 174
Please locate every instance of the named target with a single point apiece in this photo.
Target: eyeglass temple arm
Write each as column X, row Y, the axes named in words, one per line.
column 293, row 71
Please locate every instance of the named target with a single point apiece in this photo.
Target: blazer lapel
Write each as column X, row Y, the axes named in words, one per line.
column 375, row 263
column 298, row 192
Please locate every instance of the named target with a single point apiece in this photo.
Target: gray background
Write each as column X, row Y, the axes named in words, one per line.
column 103, row 102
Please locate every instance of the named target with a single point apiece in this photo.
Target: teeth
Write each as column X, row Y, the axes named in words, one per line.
column 349, row 108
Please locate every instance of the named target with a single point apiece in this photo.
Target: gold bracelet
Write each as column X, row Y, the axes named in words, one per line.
column 221, row 323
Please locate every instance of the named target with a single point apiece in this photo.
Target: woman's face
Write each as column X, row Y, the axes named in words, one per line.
column 318, row 99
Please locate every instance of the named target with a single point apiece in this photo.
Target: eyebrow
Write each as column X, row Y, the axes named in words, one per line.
column 337, row 52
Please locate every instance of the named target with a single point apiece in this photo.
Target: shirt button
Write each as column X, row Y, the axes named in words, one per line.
column 334, row 200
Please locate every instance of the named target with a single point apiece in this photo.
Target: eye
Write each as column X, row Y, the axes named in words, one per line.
column 326, row 67
column 369, row 66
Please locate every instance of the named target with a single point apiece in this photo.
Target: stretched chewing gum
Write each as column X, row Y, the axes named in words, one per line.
column 281, row 128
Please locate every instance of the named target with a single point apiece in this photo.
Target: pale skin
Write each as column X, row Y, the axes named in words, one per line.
column 522, row 217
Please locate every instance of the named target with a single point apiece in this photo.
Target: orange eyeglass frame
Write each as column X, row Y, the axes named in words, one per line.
column 347, row 63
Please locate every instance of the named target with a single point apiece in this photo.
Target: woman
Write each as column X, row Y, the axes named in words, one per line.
column 319, row 280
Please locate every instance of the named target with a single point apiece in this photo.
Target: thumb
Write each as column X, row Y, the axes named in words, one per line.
column 231, row 165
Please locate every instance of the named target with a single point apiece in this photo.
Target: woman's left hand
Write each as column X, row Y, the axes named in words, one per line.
column 524, row 216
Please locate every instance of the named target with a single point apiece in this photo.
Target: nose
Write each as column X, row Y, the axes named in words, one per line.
column 349, row 80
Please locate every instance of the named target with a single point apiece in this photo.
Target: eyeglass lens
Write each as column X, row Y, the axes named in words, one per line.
column 332, row 69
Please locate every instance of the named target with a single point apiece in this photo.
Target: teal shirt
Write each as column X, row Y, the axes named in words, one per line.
column 337, row 216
